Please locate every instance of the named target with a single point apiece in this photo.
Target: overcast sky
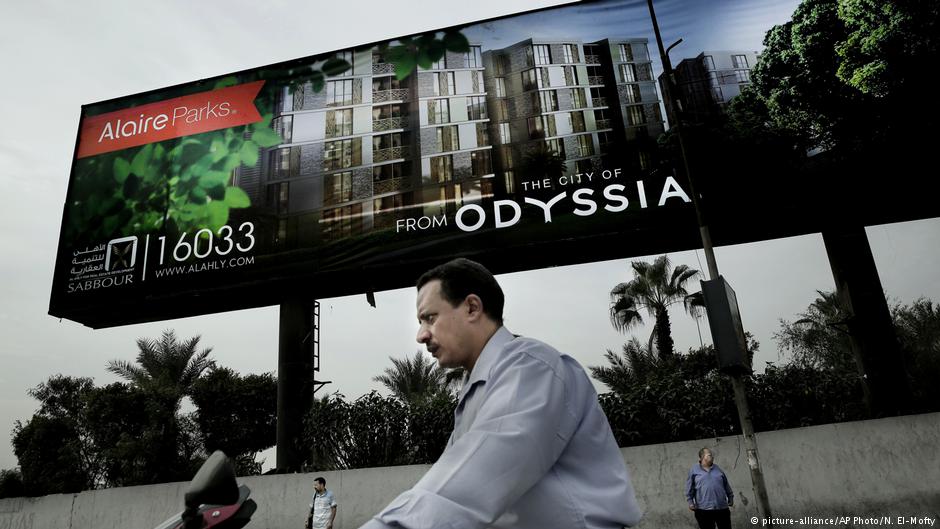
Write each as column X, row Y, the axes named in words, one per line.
column 56, row 56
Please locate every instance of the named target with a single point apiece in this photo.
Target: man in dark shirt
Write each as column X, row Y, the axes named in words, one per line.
column 709, row 493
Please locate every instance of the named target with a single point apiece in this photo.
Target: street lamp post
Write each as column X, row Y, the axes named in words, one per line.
column 737, row 381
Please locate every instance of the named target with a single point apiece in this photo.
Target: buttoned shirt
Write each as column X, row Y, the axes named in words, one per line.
column 531, row 449
column 708, row 489
column 321, row 508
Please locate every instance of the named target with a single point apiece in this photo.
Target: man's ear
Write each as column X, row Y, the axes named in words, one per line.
column 474, row 307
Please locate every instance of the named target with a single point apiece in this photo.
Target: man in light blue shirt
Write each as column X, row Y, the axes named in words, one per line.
column 531, row 447
column 709, row 493
column 322, row 507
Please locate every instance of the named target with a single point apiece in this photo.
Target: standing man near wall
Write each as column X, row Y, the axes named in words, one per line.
column 322, row 507
column 531, row 447
column 709, row 493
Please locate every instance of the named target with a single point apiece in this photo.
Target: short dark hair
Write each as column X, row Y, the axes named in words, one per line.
column 321, row 481
column 701, row 452
column 461, row 277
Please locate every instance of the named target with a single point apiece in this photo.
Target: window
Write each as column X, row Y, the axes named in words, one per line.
column 337, row 188
column 285, row 163
column 510, row 184
column 631, row 93
column 381, row 173
column 536, row 128
column 348, row 57
column 717, row 95
column 448, row 138
column 577, row 122
column 502, row 110
column 504, row 135
column 548, row 100
column 627, row 73
column 480, row 163
column 476, row 107
column 500, row 86
column 438, row 111
column 279, row 197
column 585, row 145
column 636, row 115
column 739, row 61
column 341, row 154
column 626, row 53
column 283, row 126
column 473, row 57
column 339, row 93
column 444, row 83
column 342, row 222
column 506, row 153
column 742, row 76
column 577, row 98
column 571, row 53
column 442, row 168
column 542, row 54
column 339, row 123
column 708, row 62
column 548, row 124
column 440, row 64
column 542, row 75
column 556, row 147
column 529, row 80
column 483, row 134
column 571, row 75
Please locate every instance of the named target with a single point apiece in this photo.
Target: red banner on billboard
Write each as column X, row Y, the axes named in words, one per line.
column 181, row 116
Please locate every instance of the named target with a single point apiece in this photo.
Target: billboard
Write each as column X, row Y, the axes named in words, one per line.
column 523, row 142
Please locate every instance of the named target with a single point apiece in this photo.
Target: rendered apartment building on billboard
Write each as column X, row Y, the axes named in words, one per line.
column 709, row 81
column 368, row 147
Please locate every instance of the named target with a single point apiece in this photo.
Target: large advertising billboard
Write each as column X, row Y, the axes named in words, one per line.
column 527, row 141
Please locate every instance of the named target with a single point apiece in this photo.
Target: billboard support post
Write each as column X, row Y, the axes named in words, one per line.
column 294, row 382
column 737, row 380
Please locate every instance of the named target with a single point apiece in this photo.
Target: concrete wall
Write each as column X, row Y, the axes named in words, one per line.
column 887, row 467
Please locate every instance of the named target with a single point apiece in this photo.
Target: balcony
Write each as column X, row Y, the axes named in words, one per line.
column 603, row 124
column 391, row 185
column 381, row 125
column 383, row 67
column 595, row 80
column 592, row 59
column 384, row 96
column 391, row 153
column 600, row 101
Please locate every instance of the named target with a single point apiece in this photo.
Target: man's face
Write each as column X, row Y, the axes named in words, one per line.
column 707, row 458
column 444, row 329
column 319, row 487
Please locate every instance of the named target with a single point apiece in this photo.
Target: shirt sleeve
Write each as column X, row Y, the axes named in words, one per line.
column 332, row 499
column 690, row 487
column 519, row 432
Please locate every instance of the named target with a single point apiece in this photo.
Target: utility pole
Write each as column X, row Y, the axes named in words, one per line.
column 737, row 381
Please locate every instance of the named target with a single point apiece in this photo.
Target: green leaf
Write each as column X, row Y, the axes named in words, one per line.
column 142, row 160
column 226, row 81
column 249, row 153
column 335, row 66
column 212, row 179
column 198, row 195
column 397, row 53
column 317, row 82
column 218, row 214
column 217, row 192
column 131, row 186
column 235, row 197
column 435, row 50
column 266, row 138
column 404, row 67
column 121, row 169
column 456, row 42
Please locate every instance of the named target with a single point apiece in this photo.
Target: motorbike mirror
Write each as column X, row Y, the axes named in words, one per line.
column 213, row 484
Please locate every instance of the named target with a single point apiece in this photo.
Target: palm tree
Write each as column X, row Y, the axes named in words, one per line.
column 167, row 369
column 416, row 379
column 655, row 286
column 627, row 370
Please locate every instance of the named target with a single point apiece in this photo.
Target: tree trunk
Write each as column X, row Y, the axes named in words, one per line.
column 664, row 333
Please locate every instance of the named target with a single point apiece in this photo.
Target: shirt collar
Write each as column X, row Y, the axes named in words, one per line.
column 488, row 357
